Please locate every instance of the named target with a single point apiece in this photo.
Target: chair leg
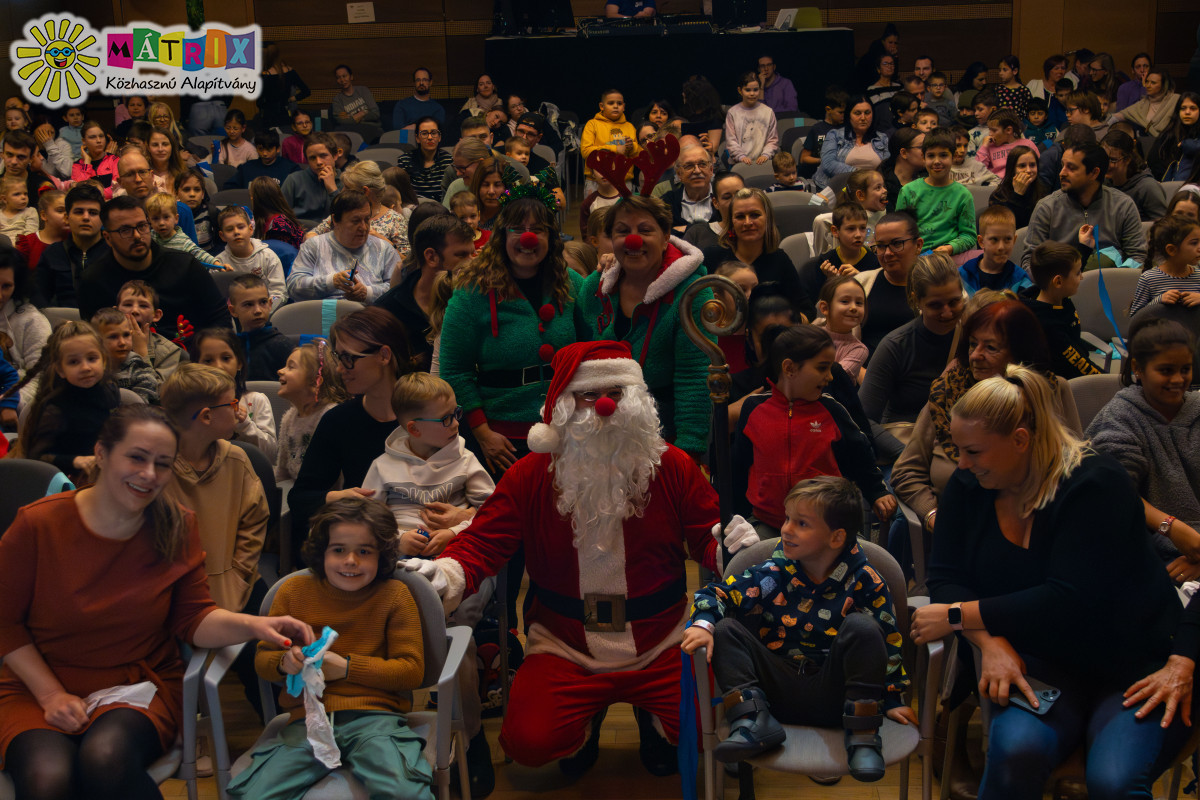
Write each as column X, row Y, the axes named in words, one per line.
column 1176, row 776
column 951, row 737
column 745, row 781
column 904, row 769
column 501, row 598
column 464, row 777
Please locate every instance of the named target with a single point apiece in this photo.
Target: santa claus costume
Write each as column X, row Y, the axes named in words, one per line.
column 607, row 513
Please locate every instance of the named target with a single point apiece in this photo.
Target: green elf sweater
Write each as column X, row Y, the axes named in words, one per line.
column 483, row 334
column 675, row 369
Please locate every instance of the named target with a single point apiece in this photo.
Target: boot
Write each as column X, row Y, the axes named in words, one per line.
column 659, row 757
column 573, row 766
column 752, row 729
column 864, row 747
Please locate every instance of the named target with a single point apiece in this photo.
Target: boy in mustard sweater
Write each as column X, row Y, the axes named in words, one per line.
column 608, row 130
column 377, row 656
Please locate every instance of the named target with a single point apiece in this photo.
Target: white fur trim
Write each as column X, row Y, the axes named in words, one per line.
column 456, row 582
column 542, row 438
column 602, row 373
column 674, row 275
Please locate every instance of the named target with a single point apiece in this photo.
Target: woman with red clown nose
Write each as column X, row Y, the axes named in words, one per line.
column 604, row 509
column 637, row 301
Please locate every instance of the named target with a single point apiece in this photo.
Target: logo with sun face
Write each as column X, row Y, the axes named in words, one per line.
column 52, row 65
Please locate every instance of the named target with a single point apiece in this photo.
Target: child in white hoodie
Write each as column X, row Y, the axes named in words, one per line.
column 246, row 255
column 426, row 476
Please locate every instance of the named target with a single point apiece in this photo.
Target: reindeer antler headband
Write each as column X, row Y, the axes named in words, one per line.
column 654, row 160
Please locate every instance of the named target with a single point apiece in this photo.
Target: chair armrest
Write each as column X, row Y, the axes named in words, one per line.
column 459, row 637
column 704, row 691
column 1096, row 342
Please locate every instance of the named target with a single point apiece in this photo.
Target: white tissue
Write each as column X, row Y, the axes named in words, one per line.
column 320, row 731
column 139, row 694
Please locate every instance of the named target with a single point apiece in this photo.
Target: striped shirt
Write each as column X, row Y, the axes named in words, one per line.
column 426, row 181
column 1153, row 283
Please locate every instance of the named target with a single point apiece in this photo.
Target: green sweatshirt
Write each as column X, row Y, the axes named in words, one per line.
column 945, row 214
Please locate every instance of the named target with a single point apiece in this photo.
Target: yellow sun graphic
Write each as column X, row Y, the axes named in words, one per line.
column 58, row 61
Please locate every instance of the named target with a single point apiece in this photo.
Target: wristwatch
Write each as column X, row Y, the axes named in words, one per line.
column 1164, row 527
column 954, row 616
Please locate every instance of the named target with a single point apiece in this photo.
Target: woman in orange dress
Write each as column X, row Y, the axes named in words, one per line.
column 96, row 585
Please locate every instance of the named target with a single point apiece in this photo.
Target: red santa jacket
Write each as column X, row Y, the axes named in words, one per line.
column 682, row 508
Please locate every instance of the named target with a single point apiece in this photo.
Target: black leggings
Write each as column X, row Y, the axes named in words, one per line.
column 108, row 761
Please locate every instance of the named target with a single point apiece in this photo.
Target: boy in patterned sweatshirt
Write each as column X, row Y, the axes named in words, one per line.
column 808, row 637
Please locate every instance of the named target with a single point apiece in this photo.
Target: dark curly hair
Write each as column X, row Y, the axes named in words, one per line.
column 350, row 510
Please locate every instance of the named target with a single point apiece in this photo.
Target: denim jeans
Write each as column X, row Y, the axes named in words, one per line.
column 207, row 117
column 1124, row 754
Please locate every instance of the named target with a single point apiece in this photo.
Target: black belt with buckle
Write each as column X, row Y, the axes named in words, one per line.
column 608, row 613
column 514, row 378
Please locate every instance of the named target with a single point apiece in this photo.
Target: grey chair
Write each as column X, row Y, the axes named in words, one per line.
column 546, row 153
column 747, row 170
column 57, row 315
column 222, row 173
column 838, row 182
column 26, row 480
column 792, row 197
column 231, row 197
column 443, row 649
column 356, row 140
column 821, row 751
column 981, row 195
column 312, row 316
column 763, row 182
column 390, row 137
column 1019, row 246
column 1120, row 284
column 1171, row 188
column 795, row 219
column 1092, row 393
column 279, row 406
column 381, row 153
column 798, row 249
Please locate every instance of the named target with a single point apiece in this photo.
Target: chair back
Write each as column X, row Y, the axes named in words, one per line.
column 838, row 182
column 222, row 173
column 231, row 197
column 798, row 249
column 58, row 315
column 546, row 153
column 793, row 134
column 279, row 406
column 24, row 481
column 790, row 197
column 390, row 137
column 311, row 316
column 746, row 170
column 382, row 153
column 222, row 279
column 356, row 140
column 1120, row 283
column 1092, row 393
column 795, row 219
column 981, row 195
column 1171, row 188
column 1019, row 245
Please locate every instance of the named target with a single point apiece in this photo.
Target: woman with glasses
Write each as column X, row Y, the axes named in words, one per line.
column 637, row 300
column 370, row 348
column 427, row 164
column 906, row 360
column 885, row 85
column 366, row 177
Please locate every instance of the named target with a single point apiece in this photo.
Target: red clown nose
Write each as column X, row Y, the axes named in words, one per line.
column 606, row 407
column 529, row 240
column 633, row 242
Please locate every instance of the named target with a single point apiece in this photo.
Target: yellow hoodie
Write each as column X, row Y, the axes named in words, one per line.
column 601, row 133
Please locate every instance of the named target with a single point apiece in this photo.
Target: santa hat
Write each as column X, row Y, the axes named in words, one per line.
column 582, row 367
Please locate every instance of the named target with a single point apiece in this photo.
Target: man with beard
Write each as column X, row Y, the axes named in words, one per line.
column 185, row 289
column 604, row 508
column 1084, row 200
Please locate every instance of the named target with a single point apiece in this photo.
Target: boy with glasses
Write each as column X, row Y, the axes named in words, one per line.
column 426, row 461
column 940, row 99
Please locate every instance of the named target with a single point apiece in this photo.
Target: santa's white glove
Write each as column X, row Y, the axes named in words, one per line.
column 738, row 534
column 432, row 572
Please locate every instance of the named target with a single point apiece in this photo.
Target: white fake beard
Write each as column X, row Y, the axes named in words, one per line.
column 603, row 469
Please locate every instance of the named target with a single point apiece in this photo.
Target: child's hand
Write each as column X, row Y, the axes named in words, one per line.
column 829, row 268
column 111, row 147
column 947, row 249
column 437, row 542
column 335, row 667
column 292, row 661
column 630, row 146
column 412, row 542
column 443, row 515
column 1189, row 299
column 241, row 413
column 885, row 507
column 760, row 160
column 328, row 176
column 746, row 160
column 1085, row 234
column 43, row 133
column 141, row 337
column 342, row 494
column 1171, row 297
column 696, row 637
column 904, row 715
column 84, row 463
column 1022, row 181
column 606, row 261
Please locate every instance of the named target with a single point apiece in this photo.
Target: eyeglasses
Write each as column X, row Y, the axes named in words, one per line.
column 895, row 245
column 127, row 231
column 138, row 173
column 590, row 398
column 55, row 52
column 695, row 166
column 348, row 359
column 231, row 405
column 454, row 416
column 538, row 230
column 429, row 134
column 1072, row 109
